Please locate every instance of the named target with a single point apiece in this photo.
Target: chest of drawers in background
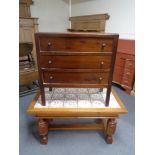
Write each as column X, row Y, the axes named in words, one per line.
column 76, row 60
column 124, row 71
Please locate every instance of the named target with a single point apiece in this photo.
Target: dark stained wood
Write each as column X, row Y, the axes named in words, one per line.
column 76, row 60
column 111, row 71
column 60, row 53
column 110, row 130
column 124, row 71
column 75, row 44
column 88, row 126
column 75, row 85
column 43, row 130
column 73, row 77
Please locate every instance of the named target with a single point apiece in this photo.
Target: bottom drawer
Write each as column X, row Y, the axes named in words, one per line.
column 127, row 82
column 75, row 77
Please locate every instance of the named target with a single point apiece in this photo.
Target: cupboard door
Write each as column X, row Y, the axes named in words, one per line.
column 28, row 34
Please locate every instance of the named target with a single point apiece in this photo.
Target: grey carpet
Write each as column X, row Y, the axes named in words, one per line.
column 78, row 142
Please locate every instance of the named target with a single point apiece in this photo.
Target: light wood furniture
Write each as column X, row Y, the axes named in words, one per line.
column 24, row 8
column 27, row 28
column 106, row 118
column 124, row 71
column 28, row 75
column 28, row 25
column 76, row 60
column 89, row 23
column 27, row 67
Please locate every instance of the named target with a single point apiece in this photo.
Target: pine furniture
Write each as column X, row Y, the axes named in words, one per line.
column 27, row 27
column 89, row 23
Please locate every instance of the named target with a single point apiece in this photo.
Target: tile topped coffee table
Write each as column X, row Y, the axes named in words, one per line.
column 76, row 103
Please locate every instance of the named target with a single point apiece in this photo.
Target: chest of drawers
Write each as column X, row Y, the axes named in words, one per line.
column 124, row 71
column 76, row 60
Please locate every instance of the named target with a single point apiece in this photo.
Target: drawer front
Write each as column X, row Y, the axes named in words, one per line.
column 127, row 82
column 75, row 44
column 128, row 73
column 76, row 62
column 119, row 61
column 129, row 64
column 75, row 78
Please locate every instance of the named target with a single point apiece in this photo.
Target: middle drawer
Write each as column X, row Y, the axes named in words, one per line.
column 76, row 62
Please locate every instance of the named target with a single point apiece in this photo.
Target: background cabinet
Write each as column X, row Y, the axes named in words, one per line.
column 124, row 71
column 27, row 28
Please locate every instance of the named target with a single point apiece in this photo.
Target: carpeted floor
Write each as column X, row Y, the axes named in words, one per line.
column 78, row 142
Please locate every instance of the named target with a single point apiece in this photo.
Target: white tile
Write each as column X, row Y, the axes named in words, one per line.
column 56, row 104
column 96, row 96
column 70, row 104
column 98, row 104
column 93, row 90
column 59, row 90
column 70, row 97
column 84, row 104
column 58, row 96
column 83, row 97
column 76, row 97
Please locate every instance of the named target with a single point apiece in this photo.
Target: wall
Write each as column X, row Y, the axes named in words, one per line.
column 121, row 14
column 53, row 14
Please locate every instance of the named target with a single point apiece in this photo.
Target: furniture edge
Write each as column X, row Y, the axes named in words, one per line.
column 76, row 111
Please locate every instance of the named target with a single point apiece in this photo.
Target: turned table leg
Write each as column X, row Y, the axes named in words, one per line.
column 110, row 130
column 43, row 130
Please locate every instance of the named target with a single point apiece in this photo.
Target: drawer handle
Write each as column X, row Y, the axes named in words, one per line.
column 51, row 77
column 130, row 64
column 128, row 73
column 104, row 44
column 102, row 63
column 49, row 61
column 125, row 81
column 49, row 44
column 100, row 78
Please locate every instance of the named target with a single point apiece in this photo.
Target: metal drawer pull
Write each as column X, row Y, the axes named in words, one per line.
column 130, row 64
column 51, row 77
column 104, row 44
column 49, row 44
column 128, row 73
column 125, row 81
column 102, row 63
column 49, row 61
column 100, row 78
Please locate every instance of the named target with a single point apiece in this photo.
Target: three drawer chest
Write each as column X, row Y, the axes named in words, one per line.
column 76, row 60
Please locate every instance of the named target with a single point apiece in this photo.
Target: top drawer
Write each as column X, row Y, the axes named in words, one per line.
column 74, row 44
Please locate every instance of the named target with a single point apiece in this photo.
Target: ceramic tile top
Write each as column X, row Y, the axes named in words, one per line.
column 76, row 98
